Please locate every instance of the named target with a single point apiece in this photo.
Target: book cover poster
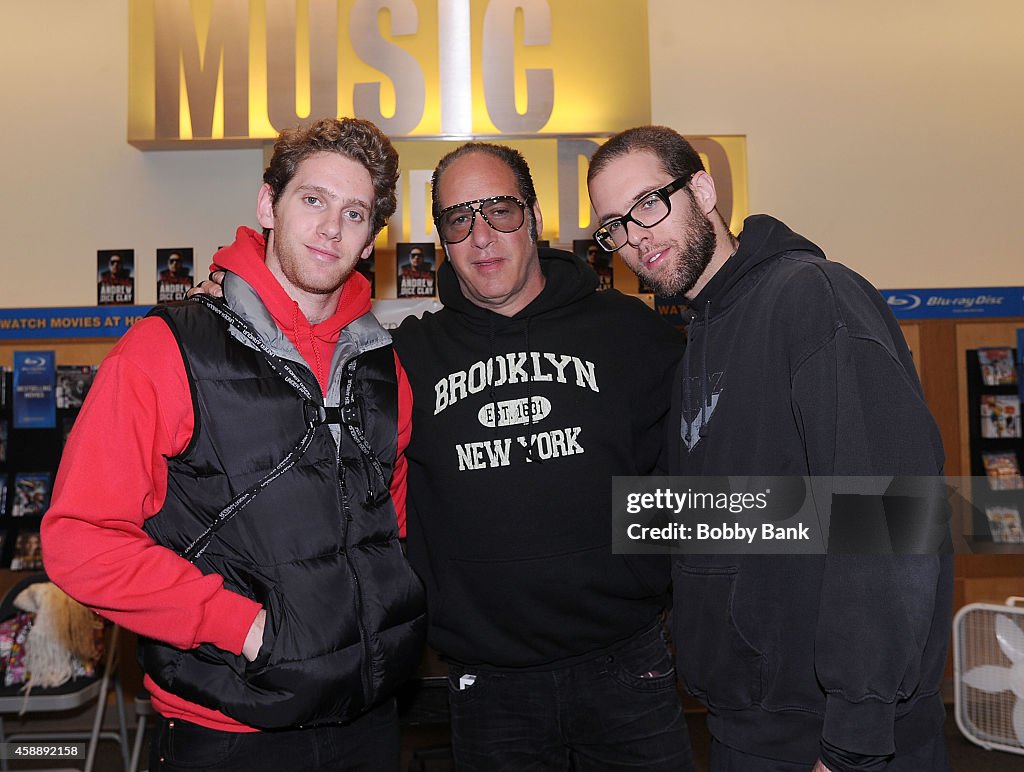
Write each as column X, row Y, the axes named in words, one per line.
column 34, row 405
column 1000, row 415
column 28, row 552
column 73, row 382
column 1004, row 522
column 599, row 260
column 416, row 272
column 31, row 494
column 368, row 269
column 115, row 283
column 173, row 273
column 1002, row 470
column 997, row 366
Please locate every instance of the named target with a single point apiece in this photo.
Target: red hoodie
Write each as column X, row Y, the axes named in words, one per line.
column 113, row 475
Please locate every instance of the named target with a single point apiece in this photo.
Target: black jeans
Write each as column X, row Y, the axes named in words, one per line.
column 930, row 757
column 368, row 744
column 619, row 711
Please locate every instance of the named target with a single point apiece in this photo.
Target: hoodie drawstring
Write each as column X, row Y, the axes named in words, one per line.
column 318, row 362
column 705, row 398
column 685, row 424
column 295, row 319
column 529, row 402
column 491, row 394
column 299, row 321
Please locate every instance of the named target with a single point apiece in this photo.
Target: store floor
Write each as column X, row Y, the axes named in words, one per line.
column 424, row 749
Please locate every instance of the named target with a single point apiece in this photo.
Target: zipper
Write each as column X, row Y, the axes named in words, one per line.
column 285, row 371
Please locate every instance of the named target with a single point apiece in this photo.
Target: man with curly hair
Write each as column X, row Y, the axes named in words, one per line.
column 234, row 487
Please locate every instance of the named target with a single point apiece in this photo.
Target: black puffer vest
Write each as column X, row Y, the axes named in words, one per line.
column 289, row 502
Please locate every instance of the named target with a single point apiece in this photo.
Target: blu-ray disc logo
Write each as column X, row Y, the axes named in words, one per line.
column 34, row 362
column 904, row 302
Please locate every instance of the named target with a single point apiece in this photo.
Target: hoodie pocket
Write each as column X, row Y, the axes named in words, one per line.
column 717, row 663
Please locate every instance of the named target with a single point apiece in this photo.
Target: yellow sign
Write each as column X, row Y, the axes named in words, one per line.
column 234, row 73
column 549, row 77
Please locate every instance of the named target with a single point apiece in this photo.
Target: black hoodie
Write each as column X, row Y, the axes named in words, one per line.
column 512, row 536
column 795, row 366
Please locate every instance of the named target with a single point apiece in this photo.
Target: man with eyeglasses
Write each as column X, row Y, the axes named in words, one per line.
column 794, row 367
column 531, row 390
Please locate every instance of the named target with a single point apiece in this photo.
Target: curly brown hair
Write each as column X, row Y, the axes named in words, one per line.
column 357, row 139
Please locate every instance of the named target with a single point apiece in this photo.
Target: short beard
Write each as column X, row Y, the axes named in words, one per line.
column 694, row 256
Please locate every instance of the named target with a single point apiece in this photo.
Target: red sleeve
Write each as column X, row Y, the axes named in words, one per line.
column 404, row 432
column 112, row 476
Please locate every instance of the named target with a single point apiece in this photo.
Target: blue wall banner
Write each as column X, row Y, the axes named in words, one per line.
column 84, row 322
column 972, row 302
column 34, row 406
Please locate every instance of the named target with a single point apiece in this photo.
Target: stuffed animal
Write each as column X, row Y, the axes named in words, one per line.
column 65, row 640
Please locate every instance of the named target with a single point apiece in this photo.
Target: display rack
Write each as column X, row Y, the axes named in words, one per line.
column 992, row 495
column 29, row 461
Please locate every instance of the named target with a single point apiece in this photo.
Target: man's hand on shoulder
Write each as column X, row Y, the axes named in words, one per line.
column 209, row 286
column 254, row 638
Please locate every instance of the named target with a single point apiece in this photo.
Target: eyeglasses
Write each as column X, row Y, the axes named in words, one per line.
column 503, row 213
column 647, row 212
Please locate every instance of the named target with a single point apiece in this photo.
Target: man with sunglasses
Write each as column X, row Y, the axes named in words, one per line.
column 794, row 367
column 531, row 390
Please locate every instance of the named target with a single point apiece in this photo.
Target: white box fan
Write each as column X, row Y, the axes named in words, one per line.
column 988, row 661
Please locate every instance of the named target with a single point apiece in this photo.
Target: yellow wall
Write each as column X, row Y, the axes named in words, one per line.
column 888, row 132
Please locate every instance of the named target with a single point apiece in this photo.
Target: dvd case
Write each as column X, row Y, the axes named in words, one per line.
column 1002, row 470
column 28, row 552
column 73, row 382
column 1005, row 524
column 997, row 366
column 31, row 494
column 1000, row 416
